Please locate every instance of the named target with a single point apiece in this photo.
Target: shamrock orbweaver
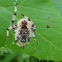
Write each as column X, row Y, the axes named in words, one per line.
column 24, row 29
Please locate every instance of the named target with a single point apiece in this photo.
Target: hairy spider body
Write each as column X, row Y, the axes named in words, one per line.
column 24, row 29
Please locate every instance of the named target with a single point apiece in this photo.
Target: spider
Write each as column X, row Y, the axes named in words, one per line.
column 24, row 29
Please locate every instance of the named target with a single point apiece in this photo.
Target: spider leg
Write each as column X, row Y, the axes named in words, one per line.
column 25, row 17
column 15, row 10
column 19, row 38
column 34, row 37
column 29, row 40
column 21, row 43
column 33, row 27
column 8, row 31
column 18, row 44
column 16, row 40
column 31, row 33
column 16, row 37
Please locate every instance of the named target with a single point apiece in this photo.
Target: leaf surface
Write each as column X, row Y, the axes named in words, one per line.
column 49, row 40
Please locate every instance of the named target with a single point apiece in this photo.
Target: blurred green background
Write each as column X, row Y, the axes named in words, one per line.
column 48, row 46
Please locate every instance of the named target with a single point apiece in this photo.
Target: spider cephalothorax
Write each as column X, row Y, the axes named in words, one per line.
column 24, row 29
column 24, row 23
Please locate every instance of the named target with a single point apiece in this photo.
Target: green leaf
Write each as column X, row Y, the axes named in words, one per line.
column 57, row 4
column 49, row 40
